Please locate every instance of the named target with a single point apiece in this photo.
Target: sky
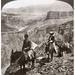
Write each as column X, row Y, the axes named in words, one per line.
column 25, row 3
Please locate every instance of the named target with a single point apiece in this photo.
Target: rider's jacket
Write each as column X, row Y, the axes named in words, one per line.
column 49, row 43
column 26, row 45
column 51, row 39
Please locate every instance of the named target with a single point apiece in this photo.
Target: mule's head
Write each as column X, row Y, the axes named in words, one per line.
column 14, row 56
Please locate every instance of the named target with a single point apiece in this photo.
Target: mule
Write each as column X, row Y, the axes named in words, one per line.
column 20, row 58
column 58, row 49
column 65, row 47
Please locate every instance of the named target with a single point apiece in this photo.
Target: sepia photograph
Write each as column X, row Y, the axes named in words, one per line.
column 37, row 37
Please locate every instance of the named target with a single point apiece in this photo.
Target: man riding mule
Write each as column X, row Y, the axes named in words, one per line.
column 50, row 45
column 55, row 44
column 26, row 49
column 27, row 55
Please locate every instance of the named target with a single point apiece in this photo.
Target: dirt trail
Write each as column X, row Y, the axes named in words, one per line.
column 59, row 66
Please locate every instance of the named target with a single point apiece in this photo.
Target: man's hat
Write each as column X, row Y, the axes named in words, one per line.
column 51, row 32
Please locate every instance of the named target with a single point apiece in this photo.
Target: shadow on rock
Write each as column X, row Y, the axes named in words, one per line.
column 19, row 72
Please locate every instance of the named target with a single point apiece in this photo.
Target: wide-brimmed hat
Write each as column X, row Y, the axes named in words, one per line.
column 51, row 32
column 51, row 41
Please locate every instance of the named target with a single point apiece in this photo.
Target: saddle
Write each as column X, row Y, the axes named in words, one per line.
column 25, row 55
column 29, row 54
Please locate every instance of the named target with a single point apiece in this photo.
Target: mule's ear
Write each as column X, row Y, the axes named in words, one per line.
column 12, row 51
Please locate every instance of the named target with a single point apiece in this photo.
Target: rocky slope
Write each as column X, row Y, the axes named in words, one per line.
column 38, row 29
column 13, row 40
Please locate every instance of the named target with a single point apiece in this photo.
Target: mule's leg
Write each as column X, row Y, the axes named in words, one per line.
column 23, row 66
column 33, row 61
column 48, row 57
column 60, row 53
column 51, row 54
column 20, row 66
column 29, row 64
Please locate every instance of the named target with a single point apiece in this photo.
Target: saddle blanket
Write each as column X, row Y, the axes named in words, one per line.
column 31, row 54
